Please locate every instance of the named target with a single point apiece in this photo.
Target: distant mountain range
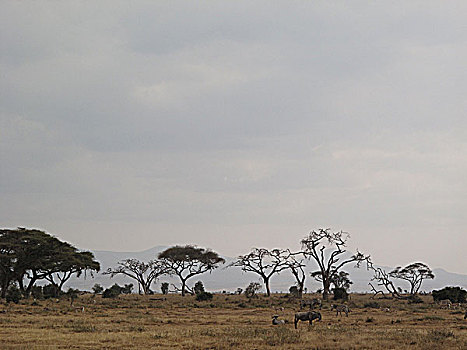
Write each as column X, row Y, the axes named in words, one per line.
column 229, row 279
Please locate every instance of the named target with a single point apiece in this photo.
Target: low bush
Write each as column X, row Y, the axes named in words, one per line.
column 203, row 296
column 36, row 292
column 340, row 294
column 13, row 294
column 50, row 291
column 112, row 292
column 455, row 294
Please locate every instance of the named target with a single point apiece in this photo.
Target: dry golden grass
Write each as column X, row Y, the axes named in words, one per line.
column 226, row 322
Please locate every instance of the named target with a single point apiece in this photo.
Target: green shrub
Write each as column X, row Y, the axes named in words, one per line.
column 198, row 288
column 97, row 288
column 36, row 292
column 294, row 292
column 112, row 292
column 252, row 289
column 340, row 294
column 13, row 294
column 455, row 294
column 50, row 291
column 127, row 289
column 203, row 296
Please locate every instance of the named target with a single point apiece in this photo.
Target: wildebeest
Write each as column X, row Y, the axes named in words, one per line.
column 306, row 316
column 340, row 308
column 276, row 322
column 311, row 303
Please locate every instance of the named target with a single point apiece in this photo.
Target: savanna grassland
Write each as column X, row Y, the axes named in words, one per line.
column 226, row 322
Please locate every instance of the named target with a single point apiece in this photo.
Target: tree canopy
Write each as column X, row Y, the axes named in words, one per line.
column 264, row 263
column 29, row 255
column 413, row 273
column 188, row 261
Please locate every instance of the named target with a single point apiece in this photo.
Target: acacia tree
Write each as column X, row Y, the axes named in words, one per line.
column 144, row 273
column 327, row 249
column 188, row 261
column 8, row 245
column 265, row 263
column 341, row 280
column 414, row 273
column 296, row 264
column 34, row 255
column 68, row 261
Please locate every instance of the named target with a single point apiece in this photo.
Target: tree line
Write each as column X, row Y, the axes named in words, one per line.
column 29, row 255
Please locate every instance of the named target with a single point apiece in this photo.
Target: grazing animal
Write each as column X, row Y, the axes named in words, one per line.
column 445, row 303
column 311, row 303
column 306, row 316
column 340, row 308
column 465, row 315
column 276, row 322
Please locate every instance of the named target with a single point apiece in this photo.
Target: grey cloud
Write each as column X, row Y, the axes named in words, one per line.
column 251, row 119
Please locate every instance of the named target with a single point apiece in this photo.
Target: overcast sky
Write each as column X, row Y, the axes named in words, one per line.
column 232, row 125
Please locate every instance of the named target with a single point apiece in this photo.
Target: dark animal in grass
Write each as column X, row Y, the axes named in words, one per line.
column 306, row 316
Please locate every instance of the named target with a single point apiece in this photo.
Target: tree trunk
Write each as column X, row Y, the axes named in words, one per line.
column 266, row 283
column 183, row 287
column 4, row 289
column 300, row 290
column 326, row 286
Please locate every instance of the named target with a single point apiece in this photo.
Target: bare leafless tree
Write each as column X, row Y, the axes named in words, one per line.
column 144, row 273
column 296, row 264
column 381, row 282
column 265, row 263
column 327, row 249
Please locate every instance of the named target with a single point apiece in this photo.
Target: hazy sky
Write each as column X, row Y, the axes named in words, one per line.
column 126, row 125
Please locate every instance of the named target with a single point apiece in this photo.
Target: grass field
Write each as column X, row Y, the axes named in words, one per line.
column 226, row 322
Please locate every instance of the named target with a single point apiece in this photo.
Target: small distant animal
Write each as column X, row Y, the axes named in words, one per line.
column 341, row 308
column 445, row 303
column 311, row 303
column 276, row 322
column 306, row 316
column 80, row 308
column 465, row 315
